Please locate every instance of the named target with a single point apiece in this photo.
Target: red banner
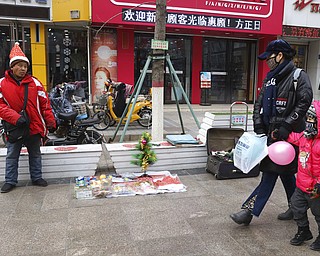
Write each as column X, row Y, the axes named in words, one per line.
column 254, row 16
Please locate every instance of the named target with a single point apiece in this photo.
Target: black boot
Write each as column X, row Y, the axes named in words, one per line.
column 304, row 234
column 242, row 217
column 287, row 215
column 316, row 244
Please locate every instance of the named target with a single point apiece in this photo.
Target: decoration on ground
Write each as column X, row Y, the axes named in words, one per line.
column 129, row 184
column 281, row 152
column 146, row 156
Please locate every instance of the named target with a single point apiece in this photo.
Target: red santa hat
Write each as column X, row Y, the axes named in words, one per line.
column 17, row 55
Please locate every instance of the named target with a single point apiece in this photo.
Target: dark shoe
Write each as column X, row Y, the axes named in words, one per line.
column 304, row 234
column 316, row 244
column 242, row 217
column 287, row 215
column 7, row 187
column 40, row 183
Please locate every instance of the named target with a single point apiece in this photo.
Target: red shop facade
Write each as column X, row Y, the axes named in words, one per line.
column 219, row 37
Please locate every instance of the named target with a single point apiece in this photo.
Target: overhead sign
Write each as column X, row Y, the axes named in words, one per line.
column 39, row 3
column 256, row 16
column 302, row 13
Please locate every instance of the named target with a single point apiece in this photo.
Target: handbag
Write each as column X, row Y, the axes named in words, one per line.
column 13, row 132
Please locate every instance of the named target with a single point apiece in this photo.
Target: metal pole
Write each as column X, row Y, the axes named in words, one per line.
column 183, row 92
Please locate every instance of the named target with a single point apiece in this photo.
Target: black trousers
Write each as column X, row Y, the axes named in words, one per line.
column 300, row 203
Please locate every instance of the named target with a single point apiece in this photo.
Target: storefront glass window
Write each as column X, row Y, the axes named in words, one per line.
column 9, row 34
column 180, row 56
column 67, row 50
column 230, row 67
column 300, row 58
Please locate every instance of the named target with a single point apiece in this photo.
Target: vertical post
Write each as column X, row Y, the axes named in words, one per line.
column 158, row 73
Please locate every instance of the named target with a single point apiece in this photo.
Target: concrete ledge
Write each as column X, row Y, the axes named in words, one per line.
column 170, row 157
column 59, row 161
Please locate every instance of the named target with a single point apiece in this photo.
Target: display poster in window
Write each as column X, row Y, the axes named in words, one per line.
column 205, row 80
column 104, row 61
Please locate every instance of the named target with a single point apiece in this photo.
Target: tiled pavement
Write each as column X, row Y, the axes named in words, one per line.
column 50, row 221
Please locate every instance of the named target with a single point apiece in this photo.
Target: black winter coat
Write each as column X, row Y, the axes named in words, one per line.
column 291, row 106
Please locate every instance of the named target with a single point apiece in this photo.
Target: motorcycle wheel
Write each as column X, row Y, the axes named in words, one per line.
column 93, row 138
column 105, row 121
column 145, row 117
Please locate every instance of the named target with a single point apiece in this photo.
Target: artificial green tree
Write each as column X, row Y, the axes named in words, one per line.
column 146, row 156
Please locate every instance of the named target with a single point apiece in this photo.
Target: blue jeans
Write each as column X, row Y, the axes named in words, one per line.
column 259, row 197
column 32, row 144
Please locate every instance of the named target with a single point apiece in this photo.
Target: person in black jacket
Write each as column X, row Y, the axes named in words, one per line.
column 279, row 110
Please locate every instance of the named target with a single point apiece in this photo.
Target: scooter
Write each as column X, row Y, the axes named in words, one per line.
column 70, row 131
column 115, row 106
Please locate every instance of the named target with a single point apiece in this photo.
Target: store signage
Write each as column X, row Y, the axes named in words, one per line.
column 42, row 3
column 301, row 4
column 159, row 44
column 192, row 20
column 205, row 80
column 301, row 32
column 253, row 8
column 256, row 16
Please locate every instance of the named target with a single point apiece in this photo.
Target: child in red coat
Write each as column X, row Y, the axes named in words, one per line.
column 307, row 193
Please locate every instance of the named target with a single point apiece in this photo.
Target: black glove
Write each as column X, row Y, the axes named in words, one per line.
column 21, row 121
column 282, row 133
column 52, row 129
column 259, row 129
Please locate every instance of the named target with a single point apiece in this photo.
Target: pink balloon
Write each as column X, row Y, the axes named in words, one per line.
column 281, row 152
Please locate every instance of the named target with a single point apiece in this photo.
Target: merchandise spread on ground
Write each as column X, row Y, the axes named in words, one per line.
column 129, row 184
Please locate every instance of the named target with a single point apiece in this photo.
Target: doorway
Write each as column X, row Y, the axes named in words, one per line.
column 180, row 56
column 230, row 63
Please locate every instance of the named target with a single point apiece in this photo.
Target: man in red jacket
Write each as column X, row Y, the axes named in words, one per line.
column 39, row 112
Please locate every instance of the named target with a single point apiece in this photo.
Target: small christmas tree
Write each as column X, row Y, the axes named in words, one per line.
column 146, row 155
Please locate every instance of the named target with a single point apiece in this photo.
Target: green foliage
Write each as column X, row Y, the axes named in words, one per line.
column 146, row 156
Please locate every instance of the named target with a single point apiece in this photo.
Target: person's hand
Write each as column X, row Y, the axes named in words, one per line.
column 282, row 133
column 52, row 129
column 315, row 192
column 21, row 121
column 259, row 129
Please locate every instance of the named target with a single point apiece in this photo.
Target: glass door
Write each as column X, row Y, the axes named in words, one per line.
column 229, row 62
column 180, row 56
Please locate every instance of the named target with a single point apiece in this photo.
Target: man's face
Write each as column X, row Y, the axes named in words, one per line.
column 19, row 70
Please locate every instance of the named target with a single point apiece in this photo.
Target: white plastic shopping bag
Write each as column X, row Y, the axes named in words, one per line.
column 249, row 151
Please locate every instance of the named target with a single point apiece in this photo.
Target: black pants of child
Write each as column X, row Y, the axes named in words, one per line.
column 300, row 203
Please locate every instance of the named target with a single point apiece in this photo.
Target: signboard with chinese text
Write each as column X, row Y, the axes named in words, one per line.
column 205, row 80
column 259, row 16
column 303, row 13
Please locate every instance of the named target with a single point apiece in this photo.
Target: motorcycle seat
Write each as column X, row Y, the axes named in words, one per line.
column 68, row 116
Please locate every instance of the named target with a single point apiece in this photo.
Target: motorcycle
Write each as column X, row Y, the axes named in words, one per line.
column 71, row 129
column 114, row 105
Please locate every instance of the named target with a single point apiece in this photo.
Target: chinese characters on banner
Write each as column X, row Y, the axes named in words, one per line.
column 192, row 20
column 301, row 32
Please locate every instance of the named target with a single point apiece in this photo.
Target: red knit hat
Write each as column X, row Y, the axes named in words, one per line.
column 17, row 55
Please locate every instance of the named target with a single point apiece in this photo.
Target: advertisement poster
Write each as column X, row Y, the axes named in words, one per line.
column 205, row 80
column 104, row 61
